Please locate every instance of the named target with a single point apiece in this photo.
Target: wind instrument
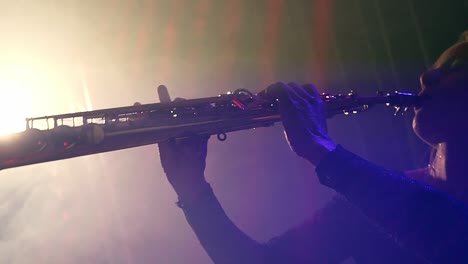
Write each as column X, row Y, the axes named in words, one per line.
column 58, row 137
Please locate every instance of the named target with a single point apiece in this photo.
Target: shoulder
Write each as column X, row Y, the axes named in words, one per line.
column 417, row 174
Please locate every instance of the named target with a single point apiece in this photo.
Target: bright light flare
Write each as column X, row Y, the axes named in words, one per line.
column 30, row 87
column 16, row 86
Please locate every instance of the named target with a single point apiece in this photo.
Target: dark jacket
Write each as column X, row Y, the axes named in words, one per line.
column 381, row 217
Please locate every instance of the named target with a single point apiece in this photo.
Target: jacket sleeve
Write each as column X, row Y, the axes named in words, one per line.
column 223, row 241
column 321, row 239
column 422, row 219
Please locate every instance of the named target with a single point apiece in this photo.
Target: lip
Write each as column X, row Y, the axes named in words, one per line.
column 423, row 102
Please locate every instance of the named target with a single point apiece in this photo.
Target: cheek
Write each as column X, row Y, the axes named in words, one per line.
column 431, row 126
column 439, row 124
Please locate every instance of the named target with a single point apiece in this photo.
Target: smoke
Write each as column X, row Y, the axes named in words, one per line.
column 85, row 211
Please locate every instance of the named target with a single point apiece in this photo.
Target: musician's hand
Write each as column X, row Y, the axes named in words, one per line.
column 184, row 165
column 183, row 161
column 303, row 114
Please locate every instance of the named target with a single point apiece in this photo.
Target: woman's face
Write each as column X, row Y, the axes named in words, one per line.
column 444, row 115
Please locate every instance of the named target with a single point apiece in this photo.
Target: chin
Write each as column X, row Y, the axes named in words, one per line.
column 426, row 130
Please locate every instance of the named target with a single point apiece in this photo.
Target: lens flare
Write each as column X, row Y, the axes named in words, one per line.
column 15, row 101
column 29, row 87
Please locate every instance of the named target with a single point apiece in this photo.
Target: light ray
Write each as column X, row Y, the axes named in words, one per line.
column 87, row 97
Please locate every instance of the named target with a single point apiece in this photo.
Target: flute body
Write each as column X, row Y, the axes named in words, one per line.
column 57, row 137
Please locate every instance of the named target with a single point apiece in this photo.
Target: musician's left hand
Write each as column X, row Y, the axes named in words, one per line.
column 184, row 164
column 303, row 113
column 184, row 161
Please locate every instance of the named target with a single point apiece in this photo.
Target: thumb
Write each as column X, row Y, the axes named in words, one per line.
column 163, row 94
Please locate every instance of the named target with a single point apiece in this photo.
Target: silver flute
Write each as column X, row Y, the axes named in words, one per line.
column 64, row 136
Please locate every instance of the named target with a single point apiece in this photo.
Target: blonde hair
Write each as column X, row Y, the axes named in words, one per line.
column 463, row 37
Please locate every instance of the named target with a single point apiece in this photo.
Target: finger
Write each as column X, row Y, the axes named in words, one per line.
column 163, row 94
column 288, row 100
column 299, row 93
column 306, row 95
column 307, row 91
column 311, row 89
column 283, row 92
column 179, row 99
column 276, row 90
column 280, row 92
column 166, row 153
column 166, row 146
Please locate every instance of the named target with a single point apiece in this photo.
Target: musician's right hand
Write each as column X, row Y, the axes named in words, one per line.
column 303, row 114
column 184, row 161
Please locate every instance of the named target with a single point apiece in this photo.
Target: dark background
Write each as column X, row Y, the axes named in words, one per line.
column 118, row 207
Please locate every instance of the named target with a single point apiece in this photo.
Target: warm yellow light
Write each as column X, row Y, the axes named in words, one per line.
column 32, row 87
column 15, row 99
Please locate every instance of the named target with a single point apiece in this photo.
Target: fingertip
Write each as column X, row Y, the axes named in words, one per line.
column 276, row 90
column 311, row 89
column 178, row 99
column 163, row 94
